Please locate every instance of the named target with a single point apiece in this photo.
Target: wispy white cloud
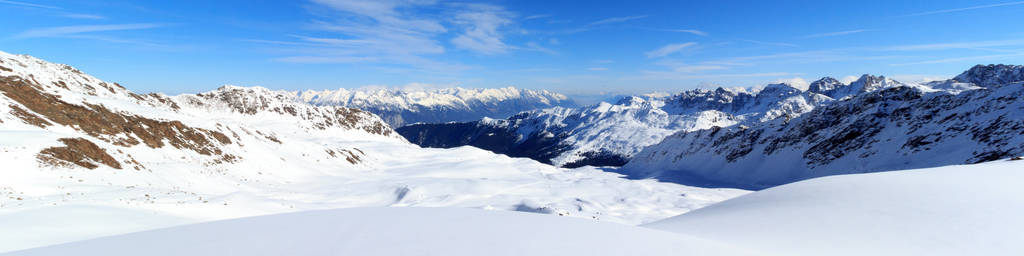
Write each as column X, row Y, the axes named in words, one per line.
column 400, row 35
column 697, row 68
column 691, row 31
column 617, row 20
column 837, row 33
column 771, row 43
column 538, row 16
column 955, row 45
column 324, row 59
column 481, row 24
column 648, row 75
column 802, row 57
column 668, row 49
column 83, row 16
column 72, row 30
column 533, row 46
column 918, row 78
column 681, row 67
column 796, row 82
column 367, row 31
column 598, row 69
column 25, row 4
column 963, row 9
column 961, row 59
column 849, row 79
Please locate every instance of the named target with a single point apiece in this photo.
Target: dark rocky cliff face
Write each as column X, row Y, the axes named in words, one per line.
column 489, row 137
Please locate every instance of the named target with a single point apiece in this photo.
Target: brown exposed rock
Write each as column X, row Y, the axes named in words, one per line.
column 351, row 156
column 77, row 151
column 6, row 69
column 164, row 100
column 61, row 84
column 117, row 128
column 29, row 118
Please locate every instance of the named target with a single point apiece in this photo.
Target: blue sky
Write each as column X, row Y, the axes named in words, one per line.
column 574, row 47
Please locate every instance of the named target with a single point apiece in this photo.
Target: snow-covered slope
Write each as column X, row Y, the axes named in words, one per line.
column 953, row 210
column 901, row 127
column 399, row 107
column 610, row 134
column 84, row 158
column 397, row 231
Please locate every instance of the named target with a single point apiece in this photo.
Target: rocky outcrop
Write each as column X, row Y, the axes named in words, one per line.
column 114, row 127
column 992, row 74
column 77, row 151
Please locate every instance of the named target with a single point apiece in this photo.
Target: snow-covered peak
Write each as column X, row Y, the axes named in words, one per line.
column 869, row 83
column 866, row 83
column 824, row 84
column 778, row 90
column 992, row 74
column 697, row 100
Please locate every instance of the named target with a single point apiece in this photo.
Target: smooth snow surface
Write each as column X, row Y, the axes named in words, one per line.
column 953, row 210
column 397, row 231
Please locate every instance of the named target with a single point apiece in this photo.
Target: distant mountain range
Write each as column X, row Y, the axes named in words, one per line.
column 608, row 134
column 400, row 107
column 776, row 135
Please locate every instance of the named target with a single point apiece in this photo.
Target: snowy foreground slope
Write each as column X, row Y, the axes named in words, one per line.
column 397, row 231
column 941, row 123
column 84, row 158
column 952, row 210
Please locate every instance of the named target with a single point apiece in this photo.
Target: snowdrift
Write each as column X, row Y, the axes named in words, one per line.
column 952, row 210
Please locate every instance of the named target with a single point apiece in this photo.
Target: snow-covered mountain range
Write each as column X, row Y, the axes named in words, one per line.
column 974, row 117
column 399, row 107
column 610, row 134
column 90, row 158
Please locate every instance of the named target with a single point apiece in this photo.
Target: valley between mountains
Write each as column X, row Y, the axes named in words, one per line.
column 88, row 165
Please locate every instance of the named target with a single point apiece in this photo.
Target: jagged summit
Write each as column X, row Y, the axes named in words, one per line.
column 778, row 90
column 823, row 85
column 992, row 74
column 832, row 88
